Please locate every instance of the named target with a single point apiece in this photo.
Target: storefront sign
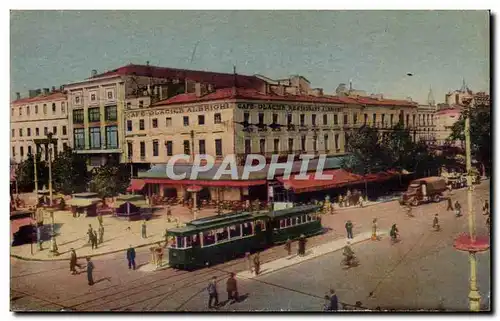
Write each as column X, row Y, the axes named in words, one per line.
column 178, row 110
column 289, row 108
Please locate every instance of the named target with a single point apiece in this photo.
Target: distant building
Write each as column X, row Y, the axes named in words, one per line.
column 426, row 120
column 457, row 97
column 445, row 119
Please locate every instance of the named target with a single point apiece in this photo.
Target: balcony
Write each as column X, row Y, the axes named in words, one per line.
column 103, row 149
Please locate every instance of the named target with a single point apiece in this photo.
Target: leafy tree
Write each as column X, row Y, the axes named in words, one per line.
column 69, row 172
column 25, row 174
column 110, row 180
column 480, row 132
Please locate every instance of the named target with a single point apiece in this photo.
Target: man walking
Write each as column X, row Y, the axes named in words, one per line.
column 458, row 209
column 374, row 230
column 94, row 239
column 288, row 246
column 212, row 293
column 334, row 301
column 99, row 219
column 90, row 233
column 450, row 205
column 232, row 288
column 486, row 208
column 101, row 234
column 348, row 227
column 435, row 223
column 90, row 269
column 302, row 245
column 256, row 263
column 73, row 262
column 131, row 257
column 143, row 229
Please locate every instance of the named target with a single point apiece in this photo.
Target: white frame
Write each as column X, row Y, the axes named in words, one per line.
column 113, row 94
column 96, row 100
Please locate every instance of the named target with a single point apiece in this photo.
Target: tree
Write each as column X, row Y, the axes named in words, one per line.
column 110, row 180
column 480, row 133
column 69, row 172
column 25, row 174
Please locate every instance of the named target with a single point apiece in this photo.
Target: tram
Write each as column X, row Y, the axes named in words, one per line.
column 218, row 239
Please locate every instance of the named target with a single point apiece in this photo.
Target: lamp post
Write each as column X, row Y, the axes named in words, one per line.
column 36, row 173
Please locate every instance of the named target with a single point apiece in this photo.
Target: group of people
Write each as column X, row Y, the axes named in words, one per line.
column 253, row 263
column 231, row 288
column 93, row 238
column 301, row 249
column 454, row 207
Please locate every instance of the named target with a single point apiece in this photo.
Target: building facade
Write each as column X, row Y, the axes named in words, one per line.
column 445, row 119
column 34, row 117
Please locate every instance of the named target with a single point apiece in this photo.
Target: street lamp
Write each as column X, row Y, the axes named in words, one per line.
column 470, row 242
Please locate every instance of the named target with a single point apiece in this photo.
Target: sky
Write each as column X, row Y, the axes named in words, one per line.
column 373, row 49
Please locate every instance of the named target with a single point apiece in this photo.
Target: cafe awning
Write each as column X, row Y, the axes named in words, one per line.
column 339, row 178
column 202, row 183
column 136, row 185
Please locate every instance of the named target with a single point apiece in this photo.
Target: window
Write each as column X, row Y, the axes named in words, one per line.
column 218, row 147
column 325, row 119
column 79, row 138
column 276, row 145
column 261, row 118
column 248, row 146
column 355, row 118
column 129, row 125
column 235, row 231
column 53, row 108
column 346, row 119
column 77, row 100
column 303, row 143
column 45, row 109
column 141, row 124
column 315, row 143
column 290, row 145
column 111, row 113
column 28, row 110
column 64, row 132
column 65, row 146
column 201, row 145
column 109, row 94
column 187, row 149
column 208, row 238
column 129, row 105
column 275, row 118
column 168, row 122
column 143, row 150
column 335, row 119
column 247, row 229
column 246, row 117
column 408, row 120
column 63, row 107
column 170, row 148
column 94, row 114
column 130, row 150
column 262, row 145
column 93, row 97
column 383, row 120
column 414, row 120
column 13, row 134
column 78, row 116
column 185, row 120
column 36, row 109
column 201, row 119
column 95, row 137
column 21, row 151
column 326, row 142
column 428, row 119
column 37, row 132
column 29, row 150
column 20, row 132
column 155, row 148
column 221, row 234
column 365, row 121
column 336, row 141
column 45, row 131
column 155, row 122
column 20, row 111
column 217, row 118
column 289, row 119
column 141, row 104
column 392, row 119
column 374, row 120
column 313, row 119
column 302, row 119
column 13, row 151
column 260, row 225
column 54, row 130
column 112, row 137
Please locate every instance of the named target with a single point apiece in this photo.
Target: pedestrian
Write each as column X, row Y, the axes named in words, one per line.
column 73, row 262
column 394, row 233
column 94, row 239
column 256, row 263
column 99, row 219
column 90, row 270
column 166, row 236
column 360, row 200
column 374, row 229
column 232, row 288
column 348, row 198
column 486, row 208
column 435, row 223
column 348, row 227
column 212, row 293
column 131, row 257
column 169, row 213
column 90, row 233
column 341, row 201
column 159, row 253
column 450, row 205
column 488, row 222
column 326, row 305
column 458, row 209
column 248, row 259
column 101, row 234
column 302, row 245
column 143, row 229
column 288, row 246
column 334, row 301
column 39, row 237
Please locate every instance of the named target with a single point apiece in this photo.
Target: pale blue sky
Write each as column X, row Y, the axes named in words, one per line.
column 373, row 48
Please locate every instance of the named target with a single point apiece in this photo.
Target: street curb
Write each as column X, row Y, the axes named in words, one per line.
column 92, row 255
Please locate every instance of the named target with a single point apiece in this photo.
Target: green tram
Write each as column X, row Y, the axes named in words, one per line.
column 213, row 240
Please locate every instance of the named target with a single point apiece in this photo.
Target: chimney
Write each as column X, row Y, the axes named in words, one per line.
column 93, row 73
column 18, row 96
column 61, row 88
column 46, row 91
column 147, row 63
column 197, row 89
column 350, row 84
column 32, row 93
column 38, row 92
column 53, row 89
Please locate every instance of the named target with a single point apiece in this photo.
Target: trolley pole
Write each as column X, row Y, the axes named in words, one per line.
column 474, row 296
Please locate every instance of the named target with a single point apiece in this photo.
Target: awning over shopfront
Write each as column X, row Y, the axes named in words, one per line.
column 140, row 182
column 340, row 178
column 16, row 225
column 136, row 185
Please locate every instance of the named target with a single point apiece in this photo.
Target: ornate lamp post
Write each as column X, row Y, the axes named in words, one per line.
column 470, row 242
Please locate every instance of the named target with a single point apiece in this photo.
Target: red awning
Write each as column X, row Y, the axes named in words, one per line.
column 203, row 183
column 15, row 225
column 194, row 188
column 340, row 178
column 136, row 185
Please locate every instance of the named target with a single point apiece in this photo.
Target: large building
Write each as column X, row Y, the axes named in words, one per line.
column 445, row 119
column 97, row 105
column 35, row 116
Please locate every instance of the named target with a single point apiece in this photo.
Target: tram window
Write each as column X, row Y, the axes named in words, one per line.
column 247, row 229
column 180, row 242
column 260, row 226
column 208, row 238
column 174, row 243
column 308, row 217
column 235, row 231
column 299, row 219
column 189, row 241
column 282, row 223
column 288, row 221
column 222, row 234
column 196, row 240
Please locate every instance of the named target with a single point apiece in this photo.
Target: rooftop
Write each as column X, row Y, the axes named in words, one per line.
column 52, row 96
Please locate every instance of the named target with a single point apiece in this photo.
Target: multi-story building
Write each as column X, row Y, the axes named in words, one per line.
column 35, row 116
column 97, row 105
column 426, row 130
column 445, row 119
